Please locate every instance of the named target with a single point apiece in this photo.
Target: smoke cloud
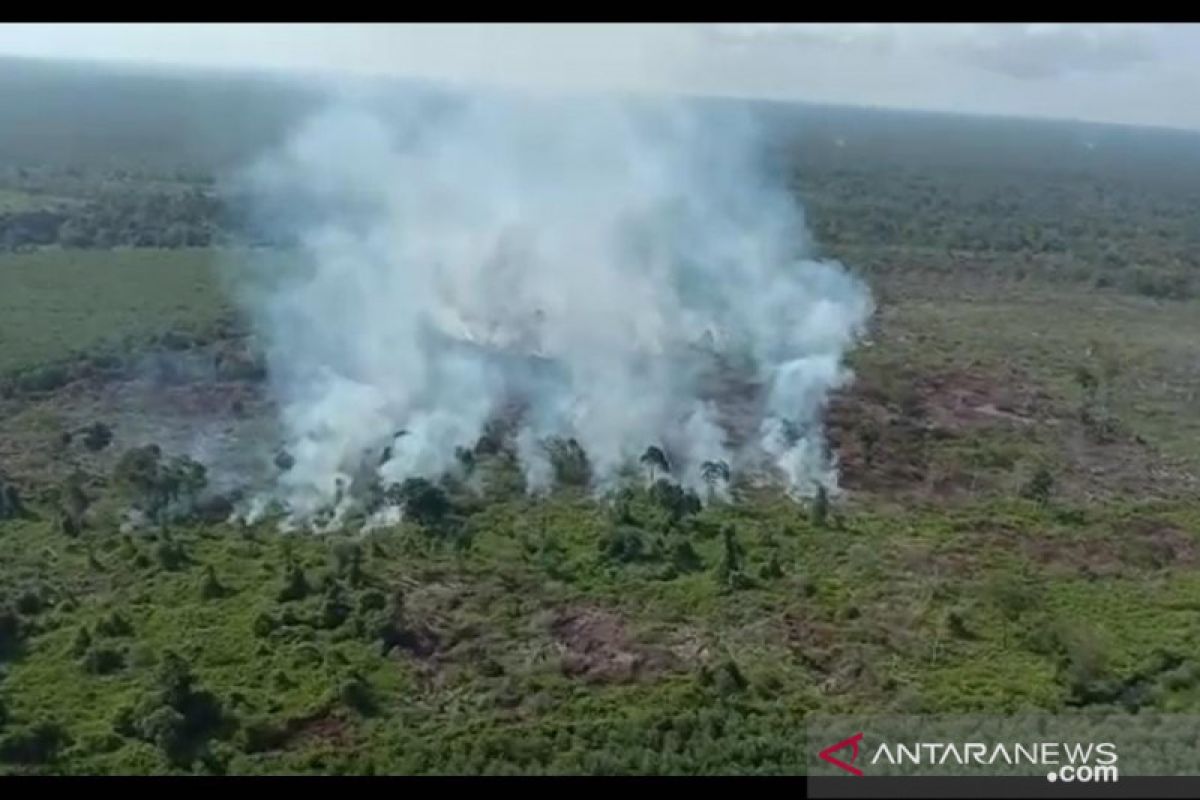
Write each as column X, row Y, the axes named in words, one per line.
column 598, row 263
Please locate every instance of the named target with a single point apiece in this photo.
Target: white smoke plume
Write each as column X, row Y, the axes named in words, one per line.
column 596, row 259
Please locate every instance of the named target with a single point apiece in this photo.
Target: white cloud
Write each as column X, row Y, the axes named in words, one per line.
column 1140, row 74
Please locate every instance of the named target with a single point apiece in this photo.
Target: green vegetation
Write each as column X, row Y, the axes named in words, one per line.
column 1019, row 528
column 57, row 305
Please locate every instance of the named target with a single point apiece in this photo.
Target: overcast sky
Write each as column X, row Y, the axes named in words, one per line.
column 1141, row 74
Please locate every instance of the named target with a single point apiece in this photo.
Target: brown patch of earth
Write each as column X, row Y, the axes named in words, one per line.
column 324, row 728
column 595, row 645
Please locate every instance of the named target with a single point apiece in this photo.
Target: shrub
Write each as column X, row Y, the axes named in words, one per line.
column 820, row 508
column 82, row 642
column 100, row 660
column 728, row 679
column 29, row 602
column 372, row 601
column 334, row 610
column 295, row 585
column 261, row 735
column 210, row 587
column 1039, row 486
column 11, row 632
column 625, row 544
column 356, row 693
column 772, row 569
column 97, row 436
column 11, row 506
column 264, row 625
column 673, row 499
column 44, row 379
column 38, row 743
column 347, row 558
column 423, row 502
column 684, row 558
column 569, row 462
column 114, row 625
column 729, row 568
column 170, row 555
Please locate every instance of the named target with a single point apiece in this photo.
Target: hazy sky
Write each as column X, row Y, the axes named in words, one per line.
column 1133, row 73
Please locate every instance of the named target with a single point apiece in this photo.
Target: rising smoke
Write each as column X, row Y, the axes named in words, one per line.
column 595, row 262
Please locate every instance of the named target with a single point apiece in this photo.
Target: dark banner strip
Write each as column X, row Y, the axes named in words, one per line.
column 979, row 788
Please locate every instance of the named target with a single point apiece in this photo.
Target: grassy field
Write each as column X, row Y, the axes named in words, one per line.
column 58, row 304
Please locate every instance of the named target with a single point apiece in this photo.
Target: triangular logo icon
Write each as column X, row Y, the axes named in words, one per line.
column 852, row 742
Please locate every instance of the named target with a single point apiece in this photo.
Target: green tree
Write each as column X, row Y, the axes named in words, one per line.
column 73, row 504
column 1039, row 486
column 729, row 568
column 820, row 507
column 714, row 472
column 654, row 459
column 423, row 502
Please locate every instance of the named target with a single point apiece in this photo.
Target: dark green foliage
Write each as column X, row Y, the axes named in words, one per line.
column 674, row 499
column 355, row 692
column 10, row 501
column 624, row 545
column 264, row 625
column 819, row 512
column 1013, row 595
column 772, row 569
column 1039, row 486
column 957, row 625
column 372, row 601
column 73, row 504
column 36, row 743
column 348, row 559
column 714, row 472
column 654, row 459
column 569, row 462
column 284, row 460
column 685, row 559
column 210, row 587
column 1087, row 381
column 261, row 735
column 466, row 459
column 166, row 728
column 97, row 436
column 423, row 502
column 11, row 632
column 622, row 508
column 179, row 717
column 29, row 602
column 335, row 609
column 729, row 568
column 43, row 379
column 114, row 625
column 102, row 660
column 727, row 679
column 154, row 484
column 82, row 642
column 295, row 585
column 170, row 555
